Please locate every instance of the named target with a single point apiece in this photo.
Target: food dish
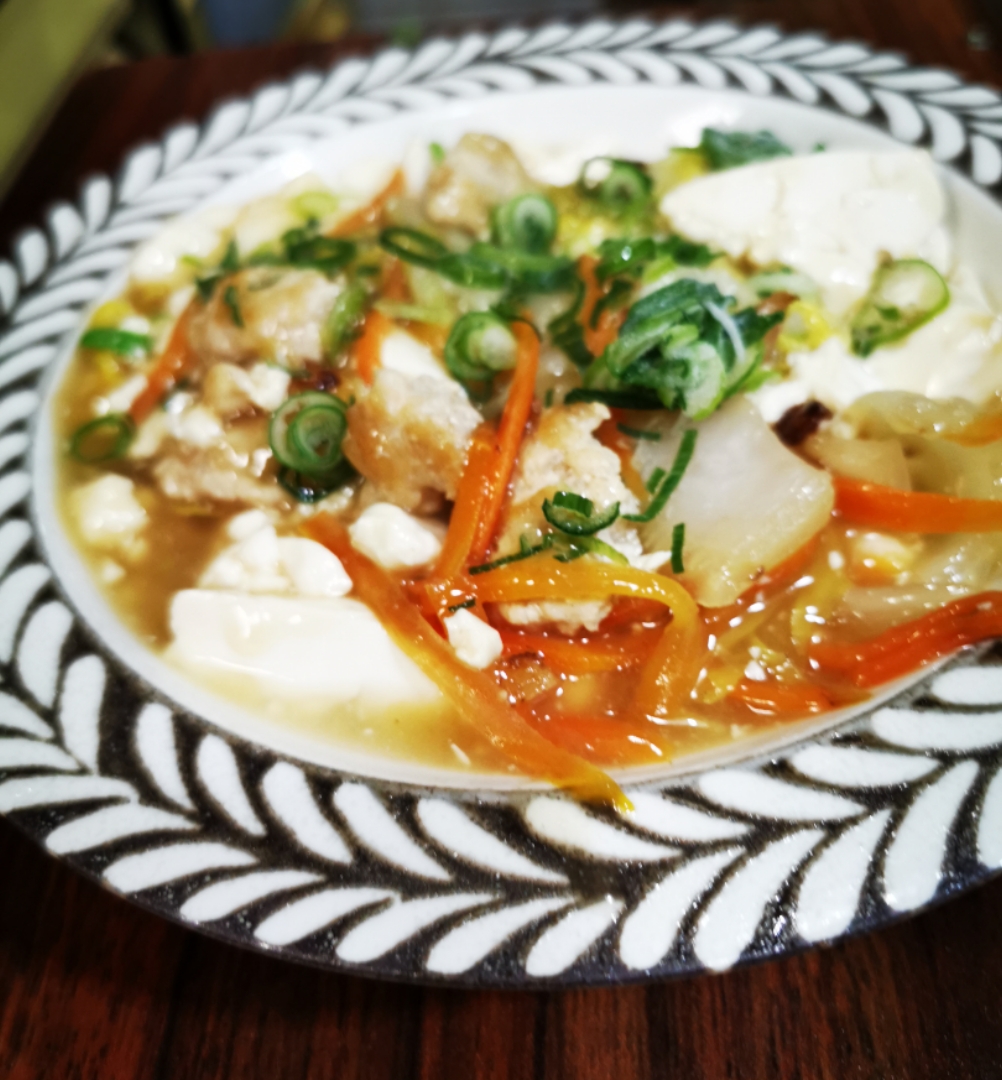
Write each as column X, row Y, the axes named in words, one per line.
column 261, row 839
column 372, row 462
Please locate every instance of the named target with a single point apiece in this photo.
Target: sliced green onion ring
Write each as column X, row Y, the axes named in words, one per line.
column 575, row 515
column 621, row 187
column 306, row 432
column 311, row 489
column 905, row 295
column 103, row 439
column 121, row 342
column 479, row 346
column 526, row 223
column 344, row 318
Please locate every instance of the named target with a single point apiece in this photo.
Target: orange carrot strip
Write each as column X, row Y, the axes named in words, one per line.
column 365, row 349
column 471, row 495
column 372, row 213
column 610, row 740
column 673, row 667
column 395, row 285
column 517, row 408
column 596, row 337
column 773, row 698
column 581, row 656
column 475, row 695
column 905, row 648
column 172, row 363
column 877, row 507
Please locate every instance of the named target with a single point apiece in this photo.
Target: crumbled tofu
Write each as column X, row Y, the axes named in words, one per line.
column 262, row 562
column 476, row 643
column 230, row 389
column 393, row 538
column 409, row 435
column 121, row 398
column 405, row 354
column 108, row 514
column 566, row 616
column 832, row 216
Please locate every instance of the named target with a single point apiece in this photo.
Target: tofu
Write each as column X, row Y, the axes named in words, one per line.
column 294, row 648
column 198, row 236
column 108, row 514
column 229, row 390
column 395, row 539
column 831, row 216
column 476, row 643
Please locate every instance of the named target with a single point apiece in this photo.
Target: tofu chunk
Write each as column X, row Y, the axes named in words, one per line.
column 109, row 515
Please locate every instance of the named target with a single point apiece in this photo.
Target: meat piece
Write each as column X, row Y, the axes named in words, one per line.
column 746, row 501
column 283, row 313
column 230, row 390
column 564, row 455
column 194, row 474
column 479, row 172
column 408, row 435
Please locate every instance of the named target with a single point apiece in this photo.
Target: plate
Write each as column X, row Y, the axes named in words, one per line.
column 193, row 810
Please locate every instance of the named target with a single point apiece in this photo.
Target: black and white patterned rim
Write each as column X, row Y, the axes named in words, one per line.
column 885, row 814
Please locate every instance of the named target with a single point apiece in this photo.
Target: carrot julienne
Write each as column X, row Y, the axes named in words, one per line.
column 177, row 359
column 475, row 694
column 772, row 698
column 913, row 645
column 511, row 429
column 861, row 503
column 366, row 348
column 582, row 656
column 471, row 496
column 597, row 337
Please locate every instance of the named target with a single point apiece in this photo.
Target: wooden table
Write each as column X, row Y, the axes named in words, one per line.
column 91, row 986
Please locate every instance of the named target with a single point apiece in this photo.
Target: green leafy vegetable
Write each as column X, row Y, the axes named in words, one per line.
column 344, row 319
column 671, row 481
column 628, row 257
column 103, row 439
column 729, row 149
column 904, row 296
column 121, row 342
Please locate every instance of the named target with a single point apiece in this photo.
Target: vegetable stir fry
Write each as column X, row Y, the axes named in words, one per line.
column 509, row 476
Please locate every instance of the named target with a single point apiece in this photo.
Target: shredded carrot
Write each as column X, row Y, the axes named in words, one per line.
column 615, row 740
column 581, row 656
column 772, row 698
column 511, row 429
column 876, row 507
column 365, row 349
column 670, row 672
column 173, row 362
column 471, row 495
column 905, row 648
column 475, row 695
column 372, row 213
column 630, row 612
column 607, row 327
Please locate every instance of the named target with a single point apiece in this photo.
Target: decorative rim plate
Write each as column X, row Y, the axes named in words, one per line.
column 877, row 817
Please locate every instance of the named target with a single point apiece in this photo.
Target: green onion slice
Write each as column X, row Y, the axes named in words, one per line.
column 121, row 342
column 479, row 346
column 414, row 247
column 344, row 319
column 677, row 543
column 622, row 187
column 311, row 489
column 103, row 439
column 728, row 149
column 639, row 433
column 326, row 253
column 306, row 432
column 671, row 481
column 232, row 300
column 575, row 515
column 526, row 223
column 904, row 296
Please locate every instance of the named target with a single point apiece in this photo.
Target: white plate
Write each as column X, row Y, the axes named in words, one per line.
column 218, row 818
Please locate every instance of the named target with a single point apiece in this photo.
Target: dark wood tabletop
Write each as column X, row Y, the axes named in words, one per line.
column 91, row 986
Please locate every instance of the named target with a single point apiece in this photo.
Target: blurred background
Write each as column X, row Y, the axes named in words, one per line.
column 46, row 44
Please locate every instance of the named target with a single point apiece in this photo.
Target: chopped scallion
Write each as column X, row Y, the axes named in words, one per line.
column 526, row 223
column 120, row 342
column 639, row 433
column 677, row 542
column 103, row 439
column 479, row 346
column 671, row 481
